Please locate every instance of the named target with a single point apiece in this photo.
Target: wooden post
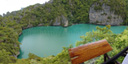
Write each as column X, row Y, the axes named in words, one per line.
column 106, row 57
column 82, row 63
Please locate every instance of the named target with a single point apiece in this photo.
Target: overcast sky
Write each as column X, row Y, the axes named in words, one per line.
column 13, row 5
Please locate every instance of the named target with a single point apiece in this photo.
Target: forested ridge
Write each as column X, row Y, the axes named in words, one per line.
column 76, row 11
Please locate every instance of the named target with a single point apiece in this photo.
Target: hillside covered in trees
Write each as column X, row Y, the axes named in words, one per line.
column 52, row 13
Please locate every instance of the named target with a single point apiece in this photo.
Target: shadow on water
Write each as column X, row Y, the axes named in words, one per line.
column 21, row 54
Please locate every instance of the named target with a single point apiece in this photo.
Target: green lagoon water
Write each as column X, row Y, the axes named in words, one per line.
column 50, row 40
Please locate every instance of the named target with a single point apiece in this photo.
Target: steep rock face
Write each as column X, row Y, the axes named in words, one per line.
column 61, row 20
column 104, row 16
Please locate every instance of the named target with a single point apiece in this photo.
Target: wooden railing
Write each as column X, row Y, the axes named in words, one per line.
column 86, row 52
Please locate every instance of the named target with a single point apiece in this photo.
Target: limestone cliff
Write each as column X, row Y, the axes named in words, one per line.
column 104, row 16
column 61, row 20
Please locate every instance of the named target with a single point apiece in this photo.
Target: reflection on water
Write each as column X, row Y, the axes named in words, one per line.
column 45, row 41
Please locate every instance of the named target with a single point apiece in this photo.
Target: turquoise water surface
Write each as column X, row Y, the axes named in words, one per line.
column 49, row 40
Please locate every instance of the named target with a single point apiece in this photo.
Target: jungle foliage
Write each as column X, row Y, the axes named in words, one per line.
column 12, row 24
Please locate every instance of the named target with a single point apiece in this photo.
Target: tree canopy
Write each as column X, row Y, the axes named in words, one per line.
column 76, row 11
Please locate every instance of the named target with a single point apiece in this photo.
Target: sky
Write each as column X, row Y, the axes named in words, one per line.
column 13, row 5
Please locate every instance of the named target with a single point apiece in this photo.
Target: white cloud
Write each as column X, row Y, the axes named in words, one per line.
column 12, row 5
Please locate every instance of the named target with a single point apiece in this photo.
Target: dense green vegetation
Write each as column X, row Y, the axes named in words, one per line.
column 61, row 58
column 117, row 41
column 76, row 11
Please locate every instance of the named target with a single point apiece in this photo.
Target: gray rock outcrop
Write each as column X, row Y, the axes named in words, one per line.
column 104, row 16
column 61, row 20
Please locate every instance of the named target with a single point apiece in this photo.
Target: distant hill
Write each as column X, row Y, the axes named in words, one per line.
column 61, row 12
